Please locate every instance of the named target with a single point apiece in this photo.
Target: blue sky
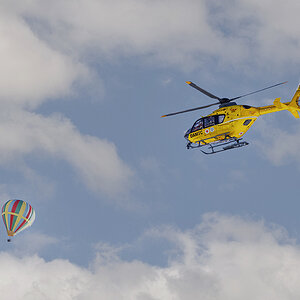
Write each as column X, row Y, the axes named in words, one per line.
column 120, row 202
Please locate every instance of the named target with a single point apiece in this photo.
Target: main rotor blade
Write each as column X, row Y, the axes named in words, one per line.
column 191, row 109
column 269, row 87
column 195, row 86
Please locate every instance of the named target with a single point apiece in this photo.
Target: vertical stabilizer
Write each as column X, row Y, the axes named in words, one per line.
column 295, row 101
column 293, row 106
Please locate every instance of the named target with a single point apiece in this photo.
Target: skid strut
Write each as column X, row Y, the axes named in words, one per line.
column 218, row 146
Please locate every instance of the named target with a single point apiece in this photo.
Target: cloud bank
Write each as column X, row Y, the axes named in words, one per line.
column 33, row 72
column 224, row 257
column 96, row 161
column 172, row 32
column 47, row 49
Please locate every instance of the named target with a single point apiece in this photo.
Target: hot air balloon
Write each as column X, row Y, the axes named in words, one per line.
column 17, row 215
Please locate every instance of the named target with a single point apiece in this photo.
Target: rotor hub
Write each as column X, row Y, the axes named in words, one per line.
column 227, row 104
column 224, row 100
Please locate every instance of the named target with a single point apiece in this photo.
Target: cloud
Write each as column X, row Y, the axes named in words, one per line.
column 96, row 161
column 224, row 257
column 35, row 71
column 252, row 31
column 278, row 145
column 38, row 279
column 32, row 71
column 125, row 28
column 32, row 243
column 31, row 185
column 171, row 32
column 47, row 49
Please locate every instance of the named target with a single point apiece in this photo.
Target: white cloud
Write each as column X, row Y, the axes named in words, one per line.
column 34, row 71
column 95, row 160
column 279, row 145
column 173, row 32
column 224, row 257
column 48, row 47
column 40, row 280
column 30, row 243
column 278, row 34
column 31, row 71
column 31, row 184
column 128, row 27
column 265, row 34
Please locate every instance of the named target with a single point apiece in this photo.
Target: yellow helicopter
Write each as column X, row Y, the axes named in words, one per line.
column 223, row 129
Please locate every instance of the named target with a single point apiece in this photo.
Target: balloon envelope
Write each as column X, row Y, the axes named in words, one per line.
column 17, row 215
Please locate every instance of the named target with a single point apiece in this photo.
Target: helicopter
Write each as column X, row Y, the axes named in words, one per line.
column 223, row 129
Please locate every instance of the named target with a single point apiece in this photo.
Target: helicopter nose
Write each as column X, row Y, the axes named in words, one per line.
column 186, row 135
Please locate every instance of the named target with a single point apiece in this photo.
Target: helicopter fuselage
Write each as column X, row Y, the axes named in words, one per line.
column 233, row 121
column 223, row 129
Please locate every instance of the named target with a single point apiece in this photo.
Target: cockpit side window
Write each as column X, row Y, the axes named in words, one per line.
column 209, row 121
column 198, row 125
column 220, row 119
column 247, row 122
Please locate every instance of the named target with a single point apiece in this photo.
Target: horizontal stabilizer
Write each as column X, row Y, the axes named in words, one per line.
column 278, row 104
column 294, row 112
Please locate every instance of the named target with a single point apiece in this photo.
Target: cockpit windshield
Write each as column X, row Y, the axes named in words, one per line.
column 198, row 125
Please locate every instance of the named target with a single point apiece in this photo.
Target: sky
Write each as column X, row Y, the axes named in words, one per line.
column 123, row 209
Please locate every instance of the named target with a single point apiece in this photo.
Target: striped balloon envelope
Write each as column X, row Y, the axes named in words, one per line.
column 17, row 215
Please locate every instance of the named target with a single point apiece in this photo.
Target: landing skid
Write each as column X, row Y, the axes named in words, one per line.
column 218, row 146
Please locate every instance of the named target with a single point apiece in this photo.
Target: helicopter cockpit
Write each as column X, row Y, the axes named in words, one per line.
column 205, row 122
